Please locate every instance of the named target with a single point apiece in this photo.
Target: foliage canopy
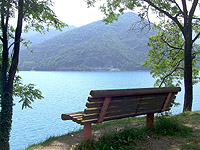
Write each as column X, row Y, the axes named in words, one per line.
column 166, row 56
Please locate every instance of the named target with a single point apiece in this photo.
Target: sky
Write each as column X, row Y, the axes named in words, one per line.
column 75, row 12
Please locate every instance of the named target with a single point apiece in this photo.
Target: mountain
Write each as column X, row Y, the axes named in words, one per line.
column 36, row 38
column 95, row 46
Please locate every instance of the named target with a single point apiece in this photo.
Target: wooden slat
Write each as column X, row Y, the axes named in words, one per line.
column 98, row 105
column 126, row 92
column 146, row 105
column 125, row 107
column 94, row 104
column 78, row 121
column 76, row 117
column 149, row 96
column 115, row 108
column 68, row 116
column 120, row 116
column 92, row 110
column 120, row 107
column 125, row 111
column 131, row 115
column 125, row 102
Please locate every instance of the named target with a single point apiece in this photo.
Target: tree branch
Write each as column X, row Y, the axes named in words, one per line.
column 15, row 58
column 5, row 48
column 178, row 7
column 169, row 74
column 144, row 22
column 167, row 14
column 195, row 18
column 1, row 38
column 177, row 15
column 184, row 7
column 196, row 37
column 7, row 12
column 14, row 43
column 170, row 44
column 185, row 15
column 192, row 10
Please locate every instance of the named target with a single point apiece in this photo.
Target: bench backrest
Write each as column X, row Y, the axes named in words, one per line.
column 104, row 105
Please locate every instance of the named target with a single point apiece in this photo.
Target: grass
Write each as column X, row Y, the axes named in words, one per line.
column 47, row 142
column 181, row 131
column 50, row 140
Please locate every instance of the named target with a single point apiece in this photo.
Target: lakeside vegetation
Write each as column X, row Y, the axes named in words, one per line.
column 181, row 131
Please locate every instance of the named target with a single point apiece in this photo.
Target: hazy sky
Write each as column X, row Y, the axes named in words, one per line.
column 75, row 12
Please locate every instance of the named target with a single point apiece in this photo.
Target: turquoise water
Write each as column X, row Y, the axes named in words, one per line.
column 67, row 92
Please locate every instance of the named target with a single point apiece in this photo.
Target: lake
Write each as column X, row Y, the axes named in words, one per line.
column 67, row 92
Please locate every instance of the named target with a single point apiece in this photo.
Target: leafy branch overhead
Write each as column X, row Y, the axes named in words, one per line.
column 26, row 93
column 38, row 15
column 166, row 57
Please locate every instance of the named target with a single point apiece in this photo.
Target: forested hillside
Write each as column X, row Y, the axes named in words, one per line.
column 95, row 46
column 36, row 38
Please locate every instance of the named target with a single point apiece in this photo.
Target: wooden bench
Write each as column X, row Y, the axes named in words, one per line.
column 105, row 105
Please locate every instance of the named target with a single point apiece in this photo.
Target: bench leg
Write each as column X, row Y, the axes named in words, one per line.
column 150, row 120
column 87, row 132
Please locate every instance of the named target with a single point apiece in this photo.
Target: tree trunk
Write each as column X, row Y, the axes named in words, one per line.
column 7, row 78
column 188, row 98
column 6, row 101
column 6, row 119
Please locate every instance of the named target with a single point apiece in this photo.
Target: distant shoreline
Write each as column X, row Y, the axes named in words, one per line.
column 94, row 70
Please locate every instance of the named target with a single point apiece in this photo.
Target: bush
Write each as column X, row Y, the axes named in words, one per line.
column 170, row 126
column 123, row 140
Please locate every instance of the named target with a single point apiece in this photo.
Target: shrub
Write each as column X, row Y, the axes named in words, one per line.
column 170, row 126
